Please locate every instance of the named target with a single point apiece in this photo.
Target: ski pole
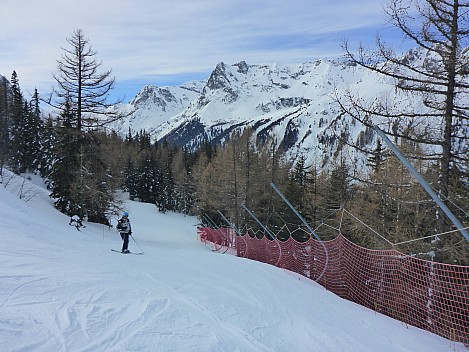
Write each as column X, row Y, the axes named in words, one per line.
column 136, row 243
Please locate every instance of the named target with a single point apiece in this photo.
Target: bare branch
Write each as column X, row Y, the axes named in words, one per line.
column 80, row 84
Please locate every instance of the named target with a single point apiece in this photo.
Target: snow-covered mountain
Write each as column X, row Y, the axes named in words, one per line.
column 291, row 104
column 156, row 105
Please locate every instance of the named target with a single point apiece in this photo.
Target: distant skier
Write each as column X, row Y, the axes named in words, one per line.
column 123, row 226
column 76, row 221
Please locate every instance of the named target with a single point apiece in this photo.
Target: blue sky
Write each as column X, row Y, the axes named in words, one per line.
column 171, row 42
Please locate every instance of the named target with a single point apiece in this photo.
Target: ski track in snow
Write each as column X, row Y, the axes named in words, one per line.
column 211, row 319
column 82, row 317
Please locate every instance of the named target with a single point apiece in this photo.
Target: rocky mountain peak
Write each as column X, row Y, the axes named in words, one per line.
column 243, row 67
column 153, row 95
column 218, row 79
column 221, row 80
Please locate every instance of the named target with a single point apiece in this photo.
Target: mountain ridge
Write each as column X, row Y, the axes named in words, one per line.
column 292, row 105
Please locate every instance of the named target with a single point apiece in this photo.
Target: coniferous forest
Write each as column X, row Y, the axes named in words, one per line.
column 85, row 163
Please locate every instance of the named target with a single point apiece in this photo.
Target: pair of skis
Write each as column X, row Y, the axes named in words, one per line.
column 135, row 253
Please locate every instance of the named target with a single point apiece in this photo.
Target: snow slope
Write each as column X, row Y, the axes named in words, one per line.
column 64, row 290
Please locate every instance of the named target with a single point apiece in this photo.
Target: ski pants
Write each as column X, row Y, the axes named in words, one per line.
column 125, row 238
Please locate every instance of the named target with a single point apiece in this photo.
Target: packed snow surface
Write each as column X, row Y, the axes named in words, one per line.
column 65, row 290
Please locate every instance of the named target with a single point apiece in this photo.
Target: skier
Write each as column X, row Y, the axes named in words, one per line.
column 76, row 221
column 123, row 226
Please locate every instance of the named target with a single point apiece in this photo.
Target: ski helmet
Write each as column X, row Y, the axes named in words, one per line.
column 125, row 213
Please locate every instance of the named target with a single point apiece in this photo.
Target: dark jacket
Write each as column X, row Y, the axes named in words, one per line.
column 123, row 225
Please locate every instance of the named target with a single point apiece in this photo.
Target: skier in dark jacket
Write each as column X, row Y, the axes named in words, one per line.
column 125, row 230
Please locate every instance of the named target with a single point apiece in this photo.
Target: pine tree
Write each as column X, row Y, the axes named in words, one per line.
column 4, row 124
column 17, row 123
column 37, row 127
column 376, row 159
column 24, row 124
column 129, row 138
column 296, row 192
column 338, row 189
column 147, row 179
column 48, row 140
column 165, row 187
column 130, row 179
column 31, row 135
column 65, row 168
column 184, row 187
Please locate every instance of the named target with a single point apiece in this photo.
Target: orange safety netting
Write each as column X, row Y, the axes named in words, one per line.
column 432, row 296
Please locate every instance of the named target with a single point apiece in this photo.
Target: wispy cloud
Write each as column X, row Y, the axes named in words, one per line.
column 151, row 40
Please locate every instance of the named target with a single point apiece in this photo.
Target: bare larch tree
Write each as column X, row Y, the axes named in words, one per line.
column 440, row 31
column 80, row 84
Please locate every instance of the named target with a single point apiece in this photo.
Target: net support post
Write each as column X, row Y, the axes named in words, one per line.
column 424, row 183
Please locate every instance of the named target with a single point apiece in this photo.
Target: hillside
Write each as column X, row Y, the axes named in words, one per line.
column 64, row 290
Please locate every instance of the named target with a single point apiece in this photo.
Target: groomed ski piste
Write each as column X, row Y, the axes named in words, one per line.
column 64, row 290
